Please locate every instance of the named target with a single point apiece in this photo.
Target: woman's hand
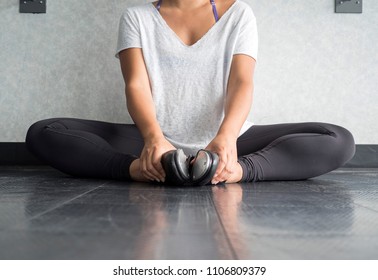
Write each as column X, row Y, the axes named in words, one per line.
column 141, row 107
column 150, row 165
column 237, row 106
column 225, row 147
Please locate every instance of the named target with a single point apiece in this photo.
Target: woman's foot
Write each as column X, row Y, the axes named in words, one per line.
column 135, row 172
column 237, row 175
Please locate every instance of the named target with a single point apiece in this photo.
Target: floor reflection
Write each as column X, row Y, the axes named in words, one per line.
column 233, row 221
column 154, row 222
column 228, row 201
column 272, row 220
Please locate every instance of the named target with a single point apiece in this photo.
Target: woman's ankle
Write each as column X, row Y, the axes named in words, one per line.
column 135, row 173
column 237, row 175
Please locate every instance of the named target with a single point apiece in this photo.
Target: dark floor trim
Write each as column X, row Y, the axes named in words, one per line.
column 14, row 153
column 366, row 156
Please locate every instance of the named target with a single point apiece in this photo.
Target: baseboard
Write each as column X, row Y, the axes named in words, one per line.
column 15, row 153
column 366, row 156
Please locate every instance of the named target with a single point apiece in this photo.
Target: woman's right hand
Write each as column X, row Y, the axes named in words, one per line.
column 150, row 165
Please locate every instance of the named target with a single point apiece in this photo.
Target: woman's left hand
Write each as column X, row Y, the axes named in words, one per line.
column 225, row 147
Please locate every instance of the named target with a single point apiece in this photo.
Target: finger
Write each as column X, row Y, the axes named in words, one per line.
column 158, row 167
column 146, row 170
column 226, row 173
column 221, row 165
column 153, row 171
column 146, row 174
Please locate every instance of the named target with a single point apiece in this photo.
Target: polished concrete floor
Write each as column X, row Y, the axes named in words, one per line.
column 45, row 214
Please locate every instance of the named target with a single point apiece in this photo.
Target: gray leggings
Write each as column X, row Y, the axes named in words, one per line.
column 293, row 151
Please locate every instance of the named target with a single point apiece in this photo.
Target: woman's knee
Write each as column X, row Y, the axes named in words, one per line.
column 344, row 146
column 34, row 136
column 34, row 130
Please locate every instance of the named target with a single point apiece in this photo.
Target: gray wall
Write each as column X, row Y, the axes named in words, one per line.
column 314, row 65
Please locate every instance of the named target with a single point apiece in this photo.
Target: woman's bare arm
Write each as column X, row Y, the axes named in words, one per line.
column 142, row 110
column 238, row 105
column 138, row 93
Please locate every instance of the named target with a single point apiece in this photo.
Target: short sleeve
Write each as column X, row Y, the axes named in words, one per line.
column 247, row 38
column 128, row 33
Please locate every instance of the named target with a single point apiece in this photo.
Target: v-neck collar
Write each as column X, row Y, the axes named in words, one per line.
column 208, row 32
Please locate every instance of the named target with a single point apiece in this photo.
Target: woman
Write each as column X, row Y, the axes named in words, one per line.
column 188, row 68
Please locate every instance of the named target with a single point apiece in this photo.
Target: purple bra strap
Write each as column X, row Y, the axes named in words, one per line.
column 214, row 9
column 212, row 4
column 158, row 5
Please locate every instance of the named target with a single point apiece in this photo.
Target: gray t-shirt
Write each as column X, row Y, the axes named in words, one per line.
column 189, row 83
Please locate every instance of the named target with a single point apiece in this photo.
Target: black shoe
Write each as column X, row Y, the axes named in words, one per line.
column 176, row 167
column 180, row 171
column 203, row 168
